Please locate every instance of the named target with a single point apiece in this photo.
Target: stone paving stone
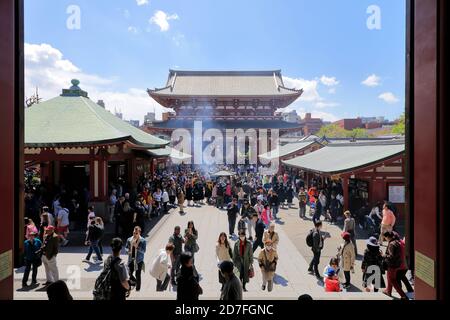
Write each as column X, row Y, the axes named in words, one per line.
column 291, row 278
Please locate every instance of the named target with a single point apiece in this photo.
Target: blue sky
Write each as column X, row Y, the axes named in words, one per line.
column 323, row 46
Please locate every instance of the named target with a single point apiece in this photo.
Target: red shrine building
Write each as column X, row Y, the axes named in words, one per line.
column 224, row 100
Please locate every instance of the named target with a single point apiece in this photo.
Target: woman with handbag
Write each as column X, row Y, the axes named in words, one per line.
column 190, row 238
column 223, row 253
column 267, row 260
column 243, row 259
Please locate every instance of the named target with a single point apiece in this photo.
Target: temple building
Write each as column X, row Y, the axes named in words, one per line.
column 224, row 100
column 77, row 144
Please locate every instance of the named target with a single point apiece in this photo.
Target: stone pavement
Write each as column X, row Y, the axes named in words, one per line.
column 291, row 278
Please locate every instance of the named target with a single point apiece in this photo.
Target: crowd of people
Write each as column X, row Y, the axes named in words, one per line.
column 252, row 202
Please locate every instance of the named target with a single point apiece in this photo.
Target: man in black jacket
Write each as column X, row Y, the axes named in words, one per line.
column 316, row 248
column 232, row 212
column 259, row 232
column 188, row 288
column 177, row 240
column 247, row 212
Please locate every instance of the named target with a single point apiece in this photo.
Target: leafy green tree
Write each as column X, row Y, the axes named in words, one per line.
column 332, row 131
column 399, row 128
column 357, row 133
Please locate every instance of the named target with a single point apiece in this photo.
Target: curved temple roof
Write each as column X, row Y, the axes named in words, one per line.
column 225, row 83
column 73, row 119
column 346, row 157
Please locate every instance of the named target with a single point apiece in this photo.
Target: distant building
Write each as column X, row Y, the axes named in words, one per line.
column 291, row 116
column 350, row 124
column 310, row 125
column 149, row 117
column 134, row 123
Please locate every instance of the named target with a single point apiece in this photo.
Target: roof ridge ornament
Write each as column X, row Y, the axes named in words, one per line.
column 74, row 90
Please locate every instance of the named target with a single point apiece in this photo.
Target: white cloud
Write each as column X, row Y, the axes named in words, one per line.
column 329, row 81
column 322, row 104
column 372, row 81
column 46, row 68
column 310, row 92
column 388, row 97
column 141, row 2
column 161, row 19
column 133, row 29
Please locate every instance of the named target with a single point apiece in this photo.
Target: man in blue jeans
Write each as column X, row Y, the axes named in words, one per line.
column 93, row 236
column 32, row 258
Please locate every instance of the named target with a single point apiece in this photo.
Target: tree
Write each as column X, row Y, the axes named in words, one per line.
column 357, row 133
column 399, row 128
column 332, row 131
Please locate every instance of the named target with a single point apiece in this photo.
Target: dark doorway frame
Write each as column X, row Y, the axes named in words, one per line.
column 427, row 136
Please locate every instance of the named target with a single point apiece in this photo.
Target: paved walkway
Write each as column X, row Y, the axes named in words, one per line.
column 291, row 278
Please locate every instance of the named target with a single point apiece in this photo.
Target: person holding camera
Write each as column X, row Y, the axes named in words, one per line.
column 136, row 246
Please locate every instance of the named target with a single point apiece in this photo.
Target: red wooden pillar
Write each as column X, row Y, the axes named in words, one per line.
column 429, row 105
column 11, row 143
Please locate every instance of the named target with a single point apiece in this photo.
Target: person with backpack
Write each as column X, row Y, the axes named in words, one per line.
column 315, row 240
column 136, row 246
column 223, row 253
column 160, row 267
column 372, row 259
column 113, row 282
column 268, row 259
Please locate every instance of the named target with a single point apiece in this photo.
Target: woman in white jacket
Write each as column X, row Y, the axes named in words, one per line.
column 160, row 267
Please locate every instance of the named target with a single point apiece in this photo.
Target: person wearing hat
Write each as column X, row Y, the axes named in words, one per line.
column 331, row 281
column 232, row 288
column 31, row 258
column 267, row 260
column 271, row 234
column 243, row 258
column 347, row 256
column 49, row 252
column 372, row 259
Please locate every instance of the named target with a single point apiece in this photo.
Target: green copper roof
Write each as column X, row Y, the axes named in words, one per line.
column 347, row 157
column 170, row 152
column 286, row 149
column 73, row 119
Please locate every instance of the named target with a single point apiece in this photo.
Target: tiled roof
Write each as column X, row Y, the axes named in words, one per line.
column 225, row 83
column 74, row 119
column 346, row 157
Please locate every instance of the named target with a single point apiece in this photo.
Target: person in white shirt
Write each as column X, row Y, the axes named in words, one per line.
column 160, row 267
column 63, row 224
column 165, row 200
